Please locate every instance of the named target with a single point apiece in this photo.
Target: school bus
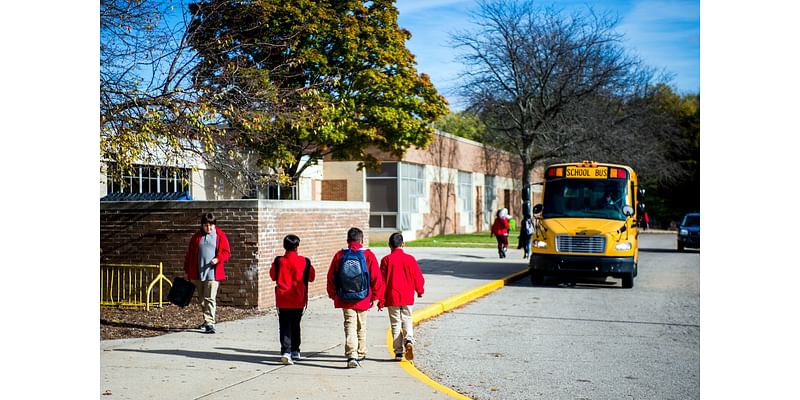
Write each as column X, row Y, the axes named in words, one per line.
column 587, row 224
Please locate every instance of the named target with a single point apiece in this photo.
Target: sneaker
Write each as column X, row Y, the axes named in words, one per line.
column 352, row 363
column 409, row 350
column 295, row 356
column 398, row 356
column 286, row 359
column 210, row 329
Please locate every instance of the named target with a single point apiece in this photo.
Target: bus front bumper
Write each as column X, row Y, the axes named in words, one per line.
column 586, row 266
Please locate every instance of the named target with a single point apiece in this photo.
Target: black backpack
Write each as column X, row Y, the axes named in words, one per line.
column 181, row 292
column 351, row 279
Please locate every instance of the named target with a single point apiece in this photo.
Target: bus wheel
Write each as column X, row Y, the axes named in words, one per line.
column 537, row 278
column 627, row 281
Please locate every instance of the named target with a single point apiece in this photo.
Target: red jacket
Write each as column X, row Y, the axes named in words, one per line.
column 190, row 266
column 402, row 277
column 290, row 290
column 500, row 227
column 376, row 282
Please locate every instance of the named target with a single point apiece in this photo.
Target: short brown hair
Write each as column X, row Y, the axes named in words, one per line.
column 208, row 218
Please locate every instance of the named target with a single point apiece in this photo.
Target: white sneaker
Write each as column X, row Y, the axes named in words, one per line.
column 295, row 356
column 353, row 363
column 286, row 359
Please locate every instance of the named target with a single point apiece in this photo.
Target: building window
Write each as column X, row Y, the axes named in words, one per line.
column 412, row 189
column 382, row 196
column 150, row 179
column 273, row 191
column 465, row 195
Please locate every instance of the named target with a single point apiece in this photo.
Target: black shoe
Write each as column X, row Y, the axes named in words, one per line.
column 210, row 329
column 352, row 363
column 202, row 326
column 398, row 356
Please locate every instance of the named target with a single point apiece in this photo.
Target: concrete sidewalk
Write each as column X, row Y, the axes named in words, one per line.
column 242, row 360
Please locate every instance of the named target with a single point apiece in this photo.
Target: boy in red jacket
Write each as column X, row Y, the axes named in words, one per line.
column 355, row 312
column 205, row 265
column 402, row 277
column 291, row 274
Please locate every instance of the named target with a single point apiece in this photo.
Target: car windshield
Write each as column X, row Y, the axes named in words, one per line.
column 585, row 198
column 691, row 220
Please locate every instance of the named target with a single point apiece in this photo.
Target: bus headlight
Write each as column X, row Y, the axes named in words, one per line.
column 540, row 244
column 624, row 246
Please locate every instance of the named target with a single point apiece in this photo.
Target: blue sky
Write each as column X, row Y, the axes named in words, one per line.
column 665, row 34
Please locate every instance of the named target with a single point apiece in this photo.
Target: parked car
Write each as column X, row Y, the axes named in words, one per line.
column 689, row 232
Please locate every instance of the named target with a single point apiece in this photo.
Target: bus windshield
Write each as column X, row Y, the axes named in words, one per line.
column 585, row 198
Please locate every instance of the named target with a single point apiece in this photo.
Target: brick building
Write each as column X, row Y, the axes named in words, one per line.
column 454, row 186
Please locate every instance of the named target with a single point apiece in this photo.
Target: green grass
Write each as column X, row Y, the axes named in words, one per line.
column 481, row 239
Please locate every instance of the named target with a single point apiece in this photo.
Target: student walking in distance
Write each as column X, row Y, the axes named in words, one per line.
column 205, row 265
column 354, row 284
column 291, row 273
column 500, row 231
column 402, row 277
column 525, row 234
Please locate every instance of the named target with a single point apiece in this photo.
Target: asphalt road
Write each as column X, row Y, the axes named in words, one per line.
column 591, row 341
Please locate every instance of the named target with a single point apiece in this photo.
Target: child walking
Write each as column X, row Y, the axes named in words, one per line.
column 402, row 277
column 500, row 231
column 355, row 294
column 291, row 273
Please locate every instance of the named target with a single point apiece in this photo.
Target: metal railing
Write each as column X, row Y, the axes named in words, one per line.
column 131, row 285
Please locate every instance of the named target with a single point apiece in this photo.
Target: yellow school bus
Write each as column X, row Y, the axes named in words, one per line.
column 586, row 226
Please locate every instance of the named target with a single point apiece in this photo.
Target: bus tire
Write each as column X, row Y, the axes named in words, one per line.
column 627, row 281
column 537, row 278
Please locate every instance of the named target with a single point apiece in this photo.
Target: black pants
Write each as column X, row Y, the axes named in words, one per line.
column 289, row 320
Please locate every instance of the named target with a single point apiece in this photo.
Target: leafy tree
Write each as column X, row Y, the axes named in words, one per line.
column 669, row 200
column 297, row 81
column 462, row 124
column 552, row 86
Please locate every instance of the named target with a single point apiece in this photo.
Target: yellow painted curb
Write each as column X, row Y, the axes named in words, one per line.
column 439, row 308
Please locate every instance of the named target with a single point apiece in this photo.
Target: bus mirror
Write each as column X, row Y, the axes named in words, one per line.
column 537, row 209
column 627, row 210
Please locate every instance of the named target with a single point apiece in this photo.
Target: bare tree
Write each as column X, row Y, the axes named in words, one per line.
column 151, row 110
column 146, row 101
column 442, row 154
column 551, row 85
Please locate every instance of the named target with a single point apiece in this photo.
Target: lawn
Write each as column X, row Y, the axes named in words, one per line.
column 481, row 239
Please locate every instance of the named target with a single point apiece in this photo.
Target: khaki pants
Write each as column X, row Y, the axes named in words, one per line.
column 207, row 293
column 355, row 333
column 402, row 327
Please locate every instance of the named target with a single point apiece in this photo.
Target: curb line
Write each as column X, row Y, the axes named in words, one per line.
column 440, row 308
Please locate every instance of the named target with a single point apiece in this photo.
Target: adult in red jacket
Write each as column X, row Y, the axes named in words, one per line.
column 205, row 265
column 355, row 313
column 402, row 277
column 291, row 295
column 500, row 231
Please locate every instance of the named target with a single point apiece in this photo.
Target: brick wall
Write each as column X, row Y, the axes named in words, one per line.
column 159, row 231
column 334, row 189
